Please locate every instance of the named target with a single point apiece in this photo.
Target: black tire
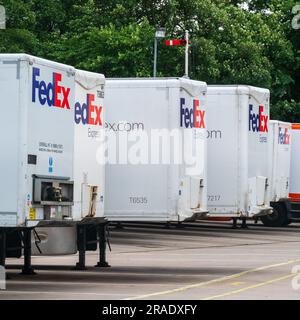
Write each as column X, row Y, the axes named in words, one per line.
column 279, row 217
column 288, row 222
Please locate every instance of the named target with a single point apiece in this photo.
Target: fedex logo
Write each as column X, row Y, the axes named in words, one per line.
column 53, row 93
column 88, row 113
column 258, row 122
column 191, row 117
column 283, row 136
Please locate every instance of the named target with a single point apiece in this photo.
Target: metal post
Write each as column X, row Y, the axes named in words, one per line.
column 155, row 57
column 187, row 49
column 160, row 33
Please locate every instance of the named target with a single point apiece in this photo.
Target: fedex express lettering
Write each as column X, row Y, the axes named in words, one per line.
column 283, row 136
column 258, row 122
column 88, row 113
column 191, row 118
column 53, row 93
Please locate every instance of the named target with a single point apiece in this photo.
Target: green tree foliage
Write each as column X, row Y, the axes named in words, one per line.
column 233, row 41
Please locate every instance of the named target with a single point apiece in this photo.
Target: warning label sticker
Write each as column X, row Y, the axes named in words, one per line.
column 32, row 214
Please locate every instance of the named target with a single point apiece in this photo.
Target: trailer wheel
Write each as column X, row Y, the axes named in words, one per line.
column 288, row 222
column 278, row 218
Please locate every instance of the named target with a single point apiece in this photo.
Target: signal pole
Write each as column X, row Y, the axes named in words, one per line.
column 160, row 33
column 155, row 58
column 187, row 49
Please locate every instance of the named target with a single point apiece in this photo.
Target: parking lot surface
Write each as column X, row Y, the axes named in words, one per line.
column 202, row 261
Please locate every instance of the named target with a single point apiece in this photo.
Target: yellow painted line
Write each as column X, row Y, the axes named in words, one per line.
column 237, row 284
column 203, row 284
column 230, row 293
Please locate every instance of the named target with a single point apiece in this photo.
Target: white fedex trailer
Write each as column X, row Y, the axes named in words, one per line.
column 39, row 163
column 160, row 170
column 89, row 169
column 89, row 165
column 295, row 174
column 36, row 142
column 238, row 124
column 279, row 173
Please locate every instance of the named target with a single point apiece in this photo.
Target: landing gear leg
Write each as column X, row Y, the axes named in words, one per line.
column 27, row 269
column 119, row 226
column 234, row 223
column 2, row 248
column 168, row 225
column 102, row 235
column 244, row 224
column 80, row 266
column 180, row 225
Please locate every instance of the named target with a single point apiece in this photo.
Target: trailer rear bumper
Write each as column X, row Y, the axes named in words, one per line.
column 260, row 211
column 197, row 215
